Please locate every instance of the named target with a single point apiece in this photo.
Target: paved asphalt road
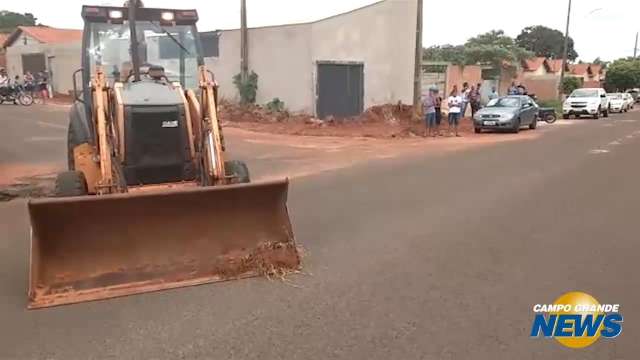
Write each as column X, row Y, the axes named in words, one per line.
column 415, row 258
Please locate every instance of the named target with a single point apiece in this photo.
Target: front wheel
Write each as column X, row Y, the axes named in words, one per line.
column 606, row 113
column 516, row 127
column 478, row 130
column 25, row 99
column 534, row 124
column 71, row 183
column 238, row 170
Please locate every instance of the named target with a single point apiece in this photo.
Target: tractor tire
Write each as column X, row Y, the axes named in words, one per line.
column 71, row 183
column 239, row 170
column 70, row 146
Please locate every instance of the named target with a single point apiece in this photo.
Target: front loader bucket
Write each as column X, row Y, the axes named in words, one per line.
column 99, row 247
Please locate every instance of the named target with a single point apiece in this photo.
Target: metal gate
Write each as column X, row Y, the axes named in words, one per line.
column 33, row 63
column 340, row 89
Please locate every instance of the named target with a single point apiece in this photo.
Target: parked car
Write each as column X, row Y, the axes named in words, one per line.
column 630, row 100
column 635, row 93
column 586, row 102
column 618, row 102
column 507, row 113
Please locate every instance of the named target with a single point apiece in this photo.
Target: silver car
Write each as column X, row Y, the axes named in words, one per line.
column 507, row 113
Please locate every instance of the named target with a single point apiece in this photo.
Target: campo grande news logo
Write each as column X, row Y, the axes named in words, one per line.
column 576, row 320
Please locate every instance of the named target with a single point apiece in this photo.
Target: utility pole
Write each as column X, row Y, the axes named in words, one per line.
column 417, row 83
column 635, row 48
column 244, row 45
column 564, row 53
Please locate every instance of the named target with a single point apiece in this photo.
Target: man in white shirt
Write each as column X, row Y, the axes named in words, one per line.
column 4, row 82
column 4, row 79
column 455, row 107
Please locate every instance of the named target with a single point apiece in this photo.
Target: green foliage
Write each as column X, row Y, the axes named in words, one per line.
column 492, row 48
column 624, row 74
column 276, row 105
column 10, row 20
column 446, row 53
column 546, row 42
column 247, row 88
column 555, row 104
column 571, row 83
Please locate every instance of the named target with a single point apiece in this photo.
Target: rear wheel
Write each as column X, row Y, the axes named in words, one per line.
column 71, row 183
column 550, row 119
column 239, row 171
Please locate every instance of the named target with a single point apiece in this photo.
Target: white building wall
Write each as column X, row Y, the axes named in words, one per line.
column 382, row 36
column 61, row 61
column 281, row 58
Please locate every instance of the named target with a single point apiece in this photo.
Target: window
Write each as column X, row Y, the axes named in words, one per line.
column 168, row 48
column 210, row 44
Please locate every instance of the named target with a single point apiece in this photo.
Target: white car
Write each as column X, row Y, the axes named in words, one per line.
column 630, row 101
column 586, row 102
column 618, row 102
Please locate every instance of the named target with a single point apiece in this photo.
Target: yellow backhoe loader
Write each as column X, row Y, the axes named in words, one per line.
column 149, row 202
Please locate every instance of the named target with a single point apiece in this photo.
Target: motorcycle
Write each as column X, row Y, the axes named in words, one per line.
column 15, row 94
column 548, row 115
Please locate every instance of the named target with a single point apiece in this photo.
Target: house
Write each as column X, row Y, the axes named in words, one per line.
column 337, row 66
column 3, row 58
column 42, row 48
column 592, row 75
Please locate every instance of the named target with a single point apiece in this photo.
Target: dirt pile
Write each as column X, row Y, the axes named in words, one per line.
column 384, row 121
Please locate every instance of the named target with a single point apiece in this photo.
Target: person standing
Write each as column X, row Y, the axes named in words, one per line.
column 474, row 100
column 455, row 107
column 4, row 79
column 494, row 94
column 464, row 95
column 429, row 107
column 438, row 113
column 513, row 90
column 43, row 86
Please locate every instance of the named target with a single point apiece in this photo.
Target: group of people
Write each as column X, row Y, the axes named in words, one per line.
column 29, row 82
column 458, row 102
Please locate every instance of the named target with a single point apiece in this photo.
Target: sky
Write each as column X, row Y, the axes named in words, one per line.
column 605, row 29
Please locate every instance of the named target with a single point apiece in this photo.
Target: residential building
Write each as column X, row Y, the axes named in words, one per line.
column 337, row 66
column 592, row 75
column 3, row 57
column 41, row 48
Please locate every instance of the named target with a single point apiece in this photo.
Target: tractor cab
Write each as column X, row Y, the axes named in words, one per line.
column 164, row 46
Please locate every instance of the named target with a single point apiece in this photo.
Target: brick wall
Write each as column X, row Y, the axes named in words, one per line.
column 457, row 75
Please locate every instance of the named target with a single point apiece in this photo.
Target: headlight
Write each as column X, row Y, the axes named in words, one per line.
column 167, row 16
column 115, row 14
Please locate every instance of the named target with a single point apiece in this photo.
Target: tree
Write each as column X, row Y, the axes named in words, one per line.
column 447, row 53
column 492, row 48
column 546, row 42
column 10, row 20
column 624, row 74
column 600, row 62
column 570, row 83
